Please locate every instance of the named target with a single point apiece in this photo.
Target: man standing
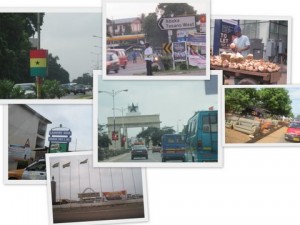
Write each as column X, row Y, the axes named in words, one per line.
column 148, row 58
column 242, row 43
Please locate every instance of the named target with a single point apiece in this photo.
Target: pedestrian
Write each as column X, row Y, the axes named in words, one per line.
column 148, row 58
column 241, row 42
column 134, row 57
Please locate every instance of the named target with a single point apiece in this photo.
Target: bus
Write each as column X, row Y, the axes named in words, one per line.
column 173, row 147
column 202, row 137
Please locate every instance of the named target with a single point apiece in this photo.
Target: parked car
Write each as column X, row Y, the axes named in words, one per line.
column 88, row 87
column 35, row 171
column 139, row 151
column 78, row 88
column 67, row 87
column 28, row 88
column 112, row 63
column 293, row 132
column 121, row 55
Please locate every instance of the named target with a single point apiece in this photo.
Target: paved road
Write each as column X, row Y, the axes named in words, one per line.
column 98, row 213
column 152, row 157
column 88, row 95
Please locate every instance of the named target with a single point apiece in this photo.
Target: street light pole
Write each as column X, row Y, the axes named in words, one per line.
column 123, row 127
column 113, row 94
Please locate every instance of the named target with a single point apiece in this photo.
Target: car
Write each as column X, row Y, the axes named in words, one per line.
column 293, row 132
column 28, row 88
column 67, row 87
column 88, row 87
column 121, row 55
column 78, row 88
column 35, row 171
column 139, row 151
column 112, row 62
column 156, row 149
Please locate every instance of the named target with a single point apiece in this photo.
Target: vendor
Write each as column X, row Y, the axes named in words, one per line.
column 241, row 43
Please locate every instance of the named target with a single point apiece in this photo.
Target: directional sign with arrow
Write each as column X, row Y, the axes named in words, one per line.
column 173, row 23
column 167, row 47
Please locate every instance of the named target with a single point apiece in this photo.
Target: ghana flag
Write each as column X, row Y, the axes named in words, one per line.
column 38, row 63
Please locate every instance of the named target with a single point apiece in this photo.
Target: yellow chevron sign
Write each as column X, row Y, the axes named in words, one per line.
column 167, row 47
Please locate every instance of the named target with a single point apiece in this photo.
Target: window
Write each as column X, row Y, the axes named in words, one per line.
column 39, row 166
column 210, row 123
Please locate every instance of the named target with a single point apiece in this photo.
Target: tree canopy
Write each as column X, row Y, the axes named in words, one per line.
column 275, row 100
column 154, row 35
column 86, row 79
column 154, row 134
column 15, row 31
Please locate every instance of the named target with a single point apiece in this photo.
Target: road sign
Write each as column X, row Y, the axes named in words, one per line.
column 60, row 132
column 167, row 47
column 173, row 23
column 38, row 62
column 59, row 139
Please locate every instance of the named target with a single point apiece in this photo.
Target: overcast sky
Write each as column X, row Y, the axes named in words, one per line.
column 78, row 118
column 99, row 179
column 174, row 101
column 115, row 10
column 295, row 97
column 70, row 37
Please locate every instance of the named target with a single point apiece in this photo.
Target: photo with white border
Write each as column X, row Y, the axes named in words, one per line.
column 266, row 116
column 79, row 193
column 129, row 29
column 57, row 60
column 32, row 130
column 266, row 58
column 189, row 99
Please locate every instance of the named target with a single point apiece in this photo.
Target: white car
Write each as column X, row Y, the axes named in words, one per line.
column 35, row 171
column 28, row 88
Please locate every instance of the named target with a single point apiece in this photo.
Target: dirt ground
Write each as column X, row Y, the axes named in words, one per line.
column 233, row 136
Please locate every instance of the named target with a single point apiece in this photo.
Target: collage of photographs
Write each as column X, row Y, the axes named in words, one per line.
column 181, row 86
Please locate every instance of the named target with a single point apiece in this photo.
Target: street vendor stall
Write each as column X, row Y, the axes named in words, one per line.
column 242, row 71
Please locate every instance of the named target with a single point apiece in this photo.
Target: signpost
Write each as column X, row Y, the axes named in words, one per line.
column 179, row 52
column 174, row 23
column 59, row 139
column 167, row 47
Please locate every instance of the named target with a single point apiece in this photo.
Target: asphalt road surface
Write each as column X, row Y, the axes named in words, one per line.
column 88, row 95
column 152, row 157
column 85, row 214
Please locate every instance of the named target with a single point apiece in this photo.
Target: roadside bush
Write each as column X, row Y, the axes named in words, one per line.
column 183, row 66
column 51, row 89
column 6, row 87
column 155, row 68
column 167, row 62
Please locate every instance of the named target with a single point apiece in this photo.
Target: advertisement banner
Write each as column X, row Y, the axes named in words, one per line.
column 58, row 147
column 179, row 52
column 115, row 195
column 227, row 35
column 18, row 152
column 194, row 58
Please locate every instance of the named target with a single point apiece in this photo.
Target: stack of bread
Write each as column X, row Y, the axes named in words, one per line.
column 237, row 61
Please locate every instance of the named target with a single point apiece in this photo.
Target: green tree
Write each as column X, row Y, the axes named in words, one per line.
column 86, row 79
column 276, row 100
column 56, row 71
column 154, row 134
column 103, row 139
column 15, row 31
column 237, row 99
column 153, row 34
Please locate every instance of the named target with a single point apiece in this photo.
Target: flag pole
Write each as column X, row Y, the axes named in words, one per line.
column 100, row 183
column 59, row 185
column 133, row 181
column 70, row 185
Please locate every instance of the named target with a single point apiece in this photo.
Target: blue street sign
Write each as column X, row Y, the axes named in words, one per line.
column 59, row 139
